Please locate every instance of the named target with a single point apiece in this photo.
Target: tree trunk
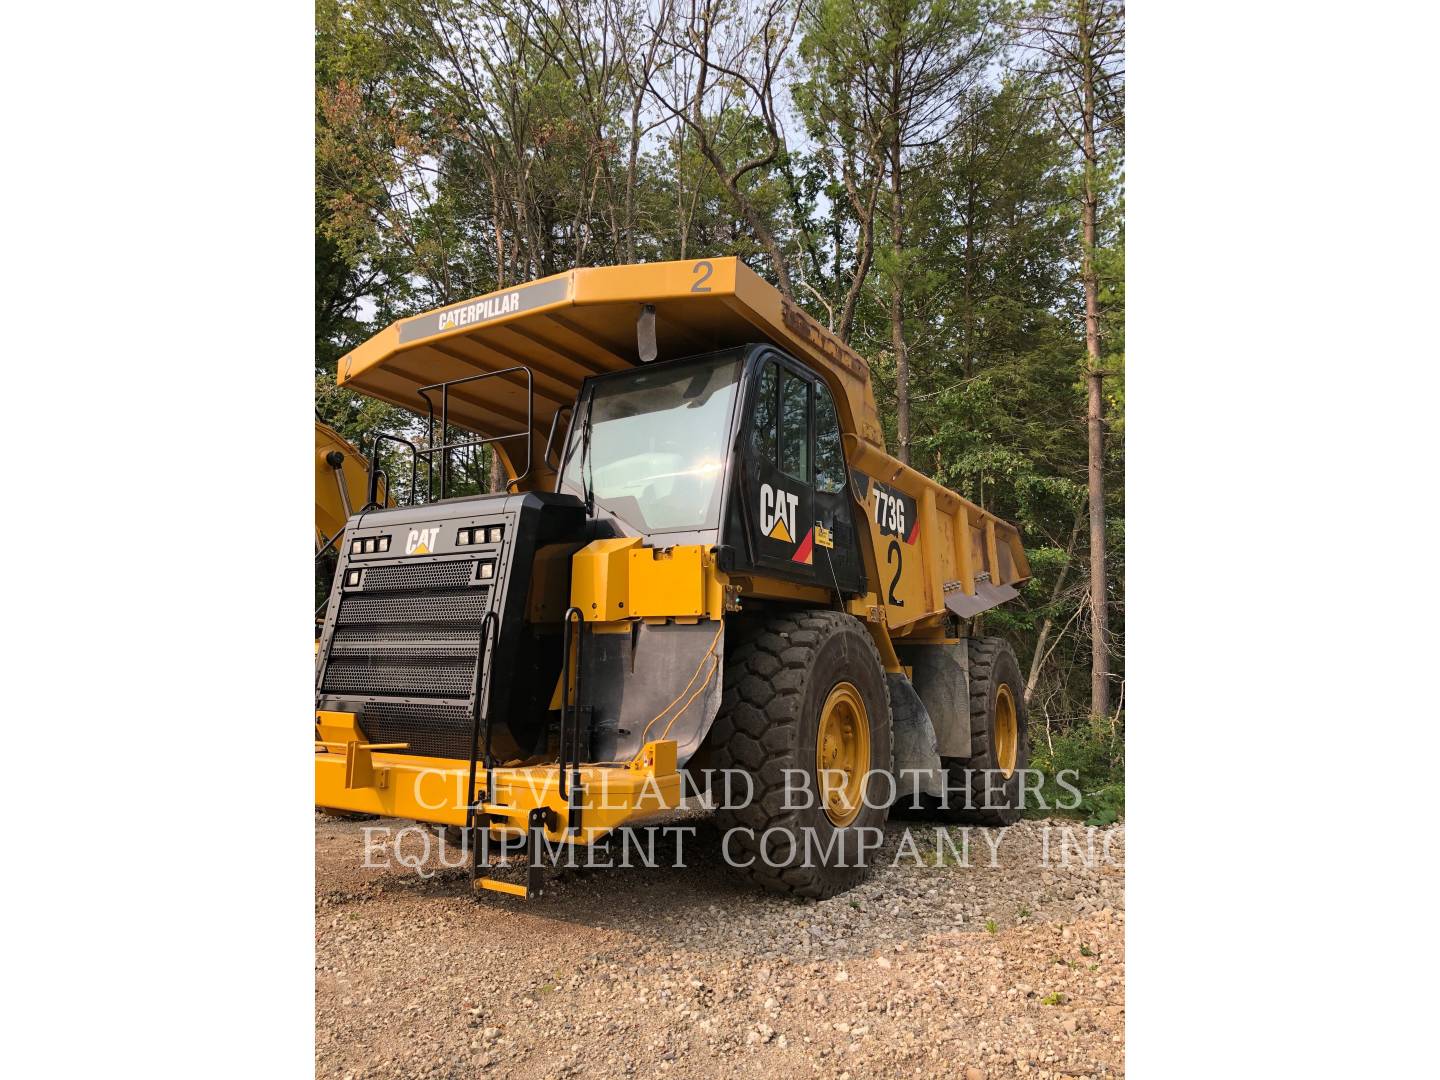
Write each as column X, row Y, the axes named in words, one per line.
column 897, row 314
column 497, row 472
column 1095, row 404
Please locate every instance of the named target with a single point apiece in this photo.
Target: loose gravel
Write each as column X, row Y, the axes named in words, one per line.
column 1010, row 966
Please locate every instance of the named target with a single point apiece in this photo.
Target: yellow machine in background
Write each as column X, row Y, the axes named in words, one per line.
column 705, row 559
column 341, row 478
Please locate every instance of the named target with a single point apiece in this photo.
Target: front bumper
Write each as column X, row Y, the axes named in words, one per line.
column 355, row 775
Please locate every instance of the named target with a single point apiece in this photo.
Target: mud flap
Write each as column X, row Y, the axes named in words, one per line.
column 917, row 766
column 940, row 674
column 652, row 682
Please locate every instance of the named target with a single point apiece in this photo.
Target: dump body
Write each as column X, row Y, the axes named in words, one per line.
column 341, row 475
column 928, row 552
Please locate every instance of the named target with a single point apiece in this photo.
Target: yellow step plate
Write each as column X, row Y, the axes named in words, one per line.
column 503, row 886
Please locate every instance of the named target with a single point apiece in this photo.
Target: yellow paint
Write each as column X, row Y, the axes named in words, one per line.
column 780, row 532
column 779, row 589
column 842, row 754
column 511, row 887
column 600, row 578
column 668, row 581
column 433, row 789
column 331, row 510
column 619, row 579
column 1007, row 731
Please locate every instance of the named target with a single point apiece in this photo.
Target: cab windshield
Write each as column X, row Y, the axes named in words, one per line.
column 649, row 445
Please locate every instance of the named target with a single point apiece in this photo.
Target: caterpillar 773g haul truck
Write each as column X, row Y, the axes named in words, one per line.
column 704, row 560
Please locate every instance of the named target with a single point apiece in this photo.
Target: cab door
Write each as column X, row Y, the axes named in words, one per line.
column 798, row 519
column 779, row 486
column 837, row 547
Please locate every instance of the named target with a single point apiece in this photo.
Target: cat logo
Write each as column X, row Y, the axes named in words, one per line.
column 421, row 541
column 778, row 511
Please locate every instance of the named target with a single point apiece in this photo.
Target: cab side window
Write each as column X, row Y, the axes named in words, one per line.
column 765, row 395
column 829, row 458
column 795, row 427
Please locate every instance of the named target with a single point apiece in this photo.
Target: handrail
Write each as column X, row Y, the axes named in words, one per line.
column 567, row 707
column 373, row 494
column 480, row 707
column 444, row 449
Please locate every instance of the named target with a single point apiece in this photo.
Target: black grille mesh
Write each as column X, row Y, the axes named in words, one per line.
column 357, row 637
column 442, row 575
column 432, row 730
column 412, row 632
column 453, row 607
column 427, row 676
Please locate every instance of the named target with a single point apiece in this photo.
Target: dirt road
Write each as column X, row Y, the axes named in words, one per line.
column 930, row 968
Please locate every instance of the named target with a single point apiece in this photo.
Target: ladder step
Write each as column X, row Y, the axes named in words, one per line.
column 510, row 887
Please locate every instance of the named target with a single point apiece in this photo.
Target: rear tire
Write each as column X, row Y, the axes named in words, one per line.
column 787, row 680
column 993, row 774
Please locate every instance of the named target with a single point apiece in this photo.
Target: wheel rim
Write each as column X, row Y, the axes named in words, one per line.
column 842, row 753
column 1007, row 731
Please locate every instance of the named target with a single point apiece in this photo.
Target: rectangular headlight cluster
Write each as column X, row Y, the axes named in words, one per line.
column 352, row 578
column 480, row 534
column 369, row 545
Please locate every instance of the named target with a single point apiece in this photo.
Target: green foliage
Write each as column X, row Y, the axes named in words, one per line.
column 1090, row 753
column 1054, row 998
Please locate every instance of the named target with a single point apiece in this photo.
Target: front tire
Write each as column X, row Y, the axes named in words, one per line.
column 805, row 692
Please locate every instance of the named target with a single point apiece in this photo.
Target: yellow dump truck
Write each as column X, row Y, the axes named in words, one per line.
column 705, row 564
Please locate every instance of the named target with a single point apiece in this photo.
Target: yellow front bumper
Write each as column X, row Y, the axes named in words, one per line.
column 353, row 774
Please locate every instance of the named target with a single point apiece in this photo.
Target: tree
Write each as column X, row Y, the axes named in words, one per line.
column 721, row 71
column 893, row 77
column 1082, row 43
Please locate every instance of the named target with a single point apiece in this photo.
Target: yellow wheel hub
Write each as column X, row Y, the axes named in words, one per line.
column 842, row 753
column 1007, row 731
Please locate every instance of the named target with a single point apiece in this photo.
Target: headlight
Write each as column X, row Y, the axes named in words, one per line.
column 495, row 533
column 487, row 570
column 356, row 547
column 352, row 578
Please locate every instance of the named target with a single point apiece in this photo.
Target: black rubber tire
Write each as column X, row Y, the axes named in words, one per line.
column 992, row 799
column 778, row 674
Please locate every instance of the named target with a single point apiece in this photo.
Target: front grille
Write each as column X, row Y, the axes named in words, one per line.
column 413, row 576
column 413, row 631
column 358, row 637
column 412, row 676
column 452, row 607
column 432, row 730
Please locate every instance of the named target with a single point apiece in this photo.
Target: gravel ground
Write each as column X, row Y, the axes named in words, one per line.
column 980, row 972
